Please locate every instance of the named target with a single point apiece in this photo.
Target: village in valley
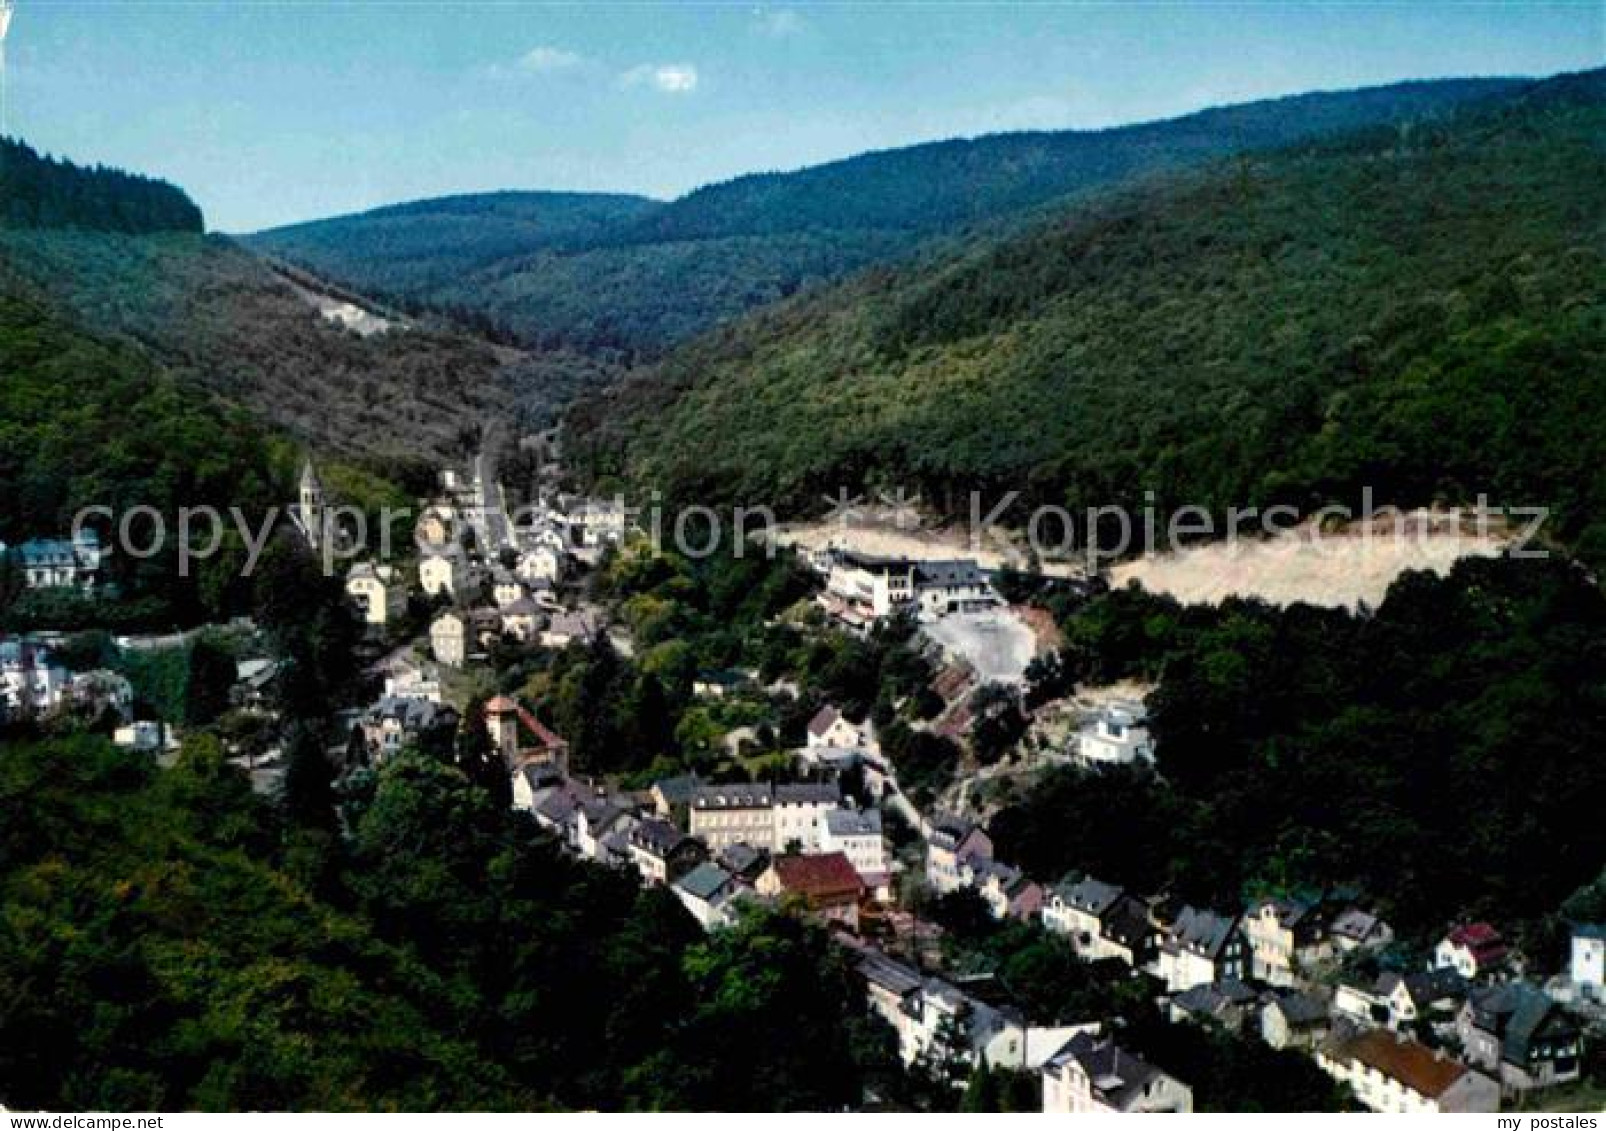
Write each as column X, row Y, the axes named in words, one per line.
column 821, row 825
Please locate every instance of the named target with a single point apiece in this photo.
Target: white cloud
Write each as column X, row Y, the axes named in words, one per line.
column 778, row 23
column 545, row 59
column 667, row 78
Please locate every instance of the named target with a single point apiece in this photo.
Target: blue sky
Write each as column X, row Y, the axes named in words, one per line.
column 275, row 112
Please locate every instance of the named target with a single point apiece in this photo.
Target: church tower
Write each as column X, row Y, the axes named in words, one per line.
column 309, row 508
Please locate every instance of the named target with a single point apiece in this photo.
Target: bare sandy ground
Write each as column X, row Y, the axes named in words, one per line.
column 1337, row 569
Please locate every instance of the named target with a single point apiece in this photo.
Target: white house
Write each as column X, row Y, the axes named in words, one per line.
column 1471, row 950
column 1118, row 735
column 448, row 634
column 799, row 813
column 1394, row 1075
column 1100, row 920
column 439, row 573
column 706, row 891
column 506, row 588
column 856, row 833
column 539, row 563
column 830, row 729
column 377, row 592
column 1588, row 968
column 1094, row 1075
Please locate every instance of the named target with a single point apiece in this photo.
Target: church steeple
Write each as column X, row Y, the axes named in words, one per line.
column 309, row 507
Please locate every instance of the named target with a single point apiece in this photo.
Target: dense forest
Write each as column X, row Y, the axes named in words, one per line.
column 1417, row 311
column 1442, row 752
column 625, row 273
column 173, row 942
column 38, row 191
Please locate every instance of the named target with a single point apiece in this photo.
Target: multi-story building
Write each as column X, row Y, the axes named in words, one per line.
column 1394, row 1075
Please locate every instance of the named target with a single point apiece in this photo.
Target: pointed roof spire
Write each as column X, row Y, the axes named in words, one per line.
column 309, row 477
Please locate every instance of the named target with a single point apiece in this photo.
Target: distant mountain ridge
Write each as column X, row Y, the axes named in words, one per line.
column 652, row 274
column 1421, row 311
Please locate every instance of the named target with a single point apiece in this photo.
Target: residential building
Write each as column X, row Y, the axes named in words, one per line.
column 927, row 1011
column 434, row 528
column 598, row 522
column 707, row 892
column 440, row 573
column 671, row 797
column 394, row 722
column 952, row 586
column 1286, row 937
column 868, row 586
column 539, row 563
column 735, row 813
column 718, row 684
column 1588, row 967
column 1520, row 1035
column 856, row 833
column 830, row 729
column 661, row 852
column 952, row 848
column 1393, row 1075
column 1093, row 1075
column 60, row 563
column 1117, row 736
column 1078, row 910
column 377, row 592
column 826, row 883
column 1431, row 996
column 1472, row 950
column 1008, row 893
column 799, row 812
column 1294, row 1021
column 1202, row 947
column 522, row 620
column 506, row 587
column 448, row 638
column 1228, row 1003
column 569, row 628
column 1357, row 929
column 31, row 682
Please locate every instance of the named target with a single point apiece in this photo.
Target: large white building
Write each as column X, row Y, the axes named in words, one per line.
column 55, row 563
column 776, row 818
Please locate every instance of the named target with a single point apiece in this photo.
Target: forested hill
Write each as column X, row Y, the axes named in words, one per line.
column 412, row 249
column 1419, row 311
column 642, row 276
column 37, row 191
column 123, row 259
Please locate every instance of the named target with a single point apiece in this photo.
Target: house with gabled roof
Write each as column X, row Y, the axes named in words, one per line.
column 661, row 852
column 1472, row 950
column 520, row 737
column 1394, row 1075
column 1587, row 971
column 953, row 847
column 1287, row 936
column 1095, row 1076
column 1521, row 1035
column 1202, row 947
column 1294, row 1020
column 707, row 892
column 826, row 883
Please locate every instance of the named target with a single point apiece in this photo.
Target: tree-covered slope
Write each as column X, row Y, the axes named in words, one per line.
column 418, row 247
column 1415, row 310
column 37, row 191
column 657, row 274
